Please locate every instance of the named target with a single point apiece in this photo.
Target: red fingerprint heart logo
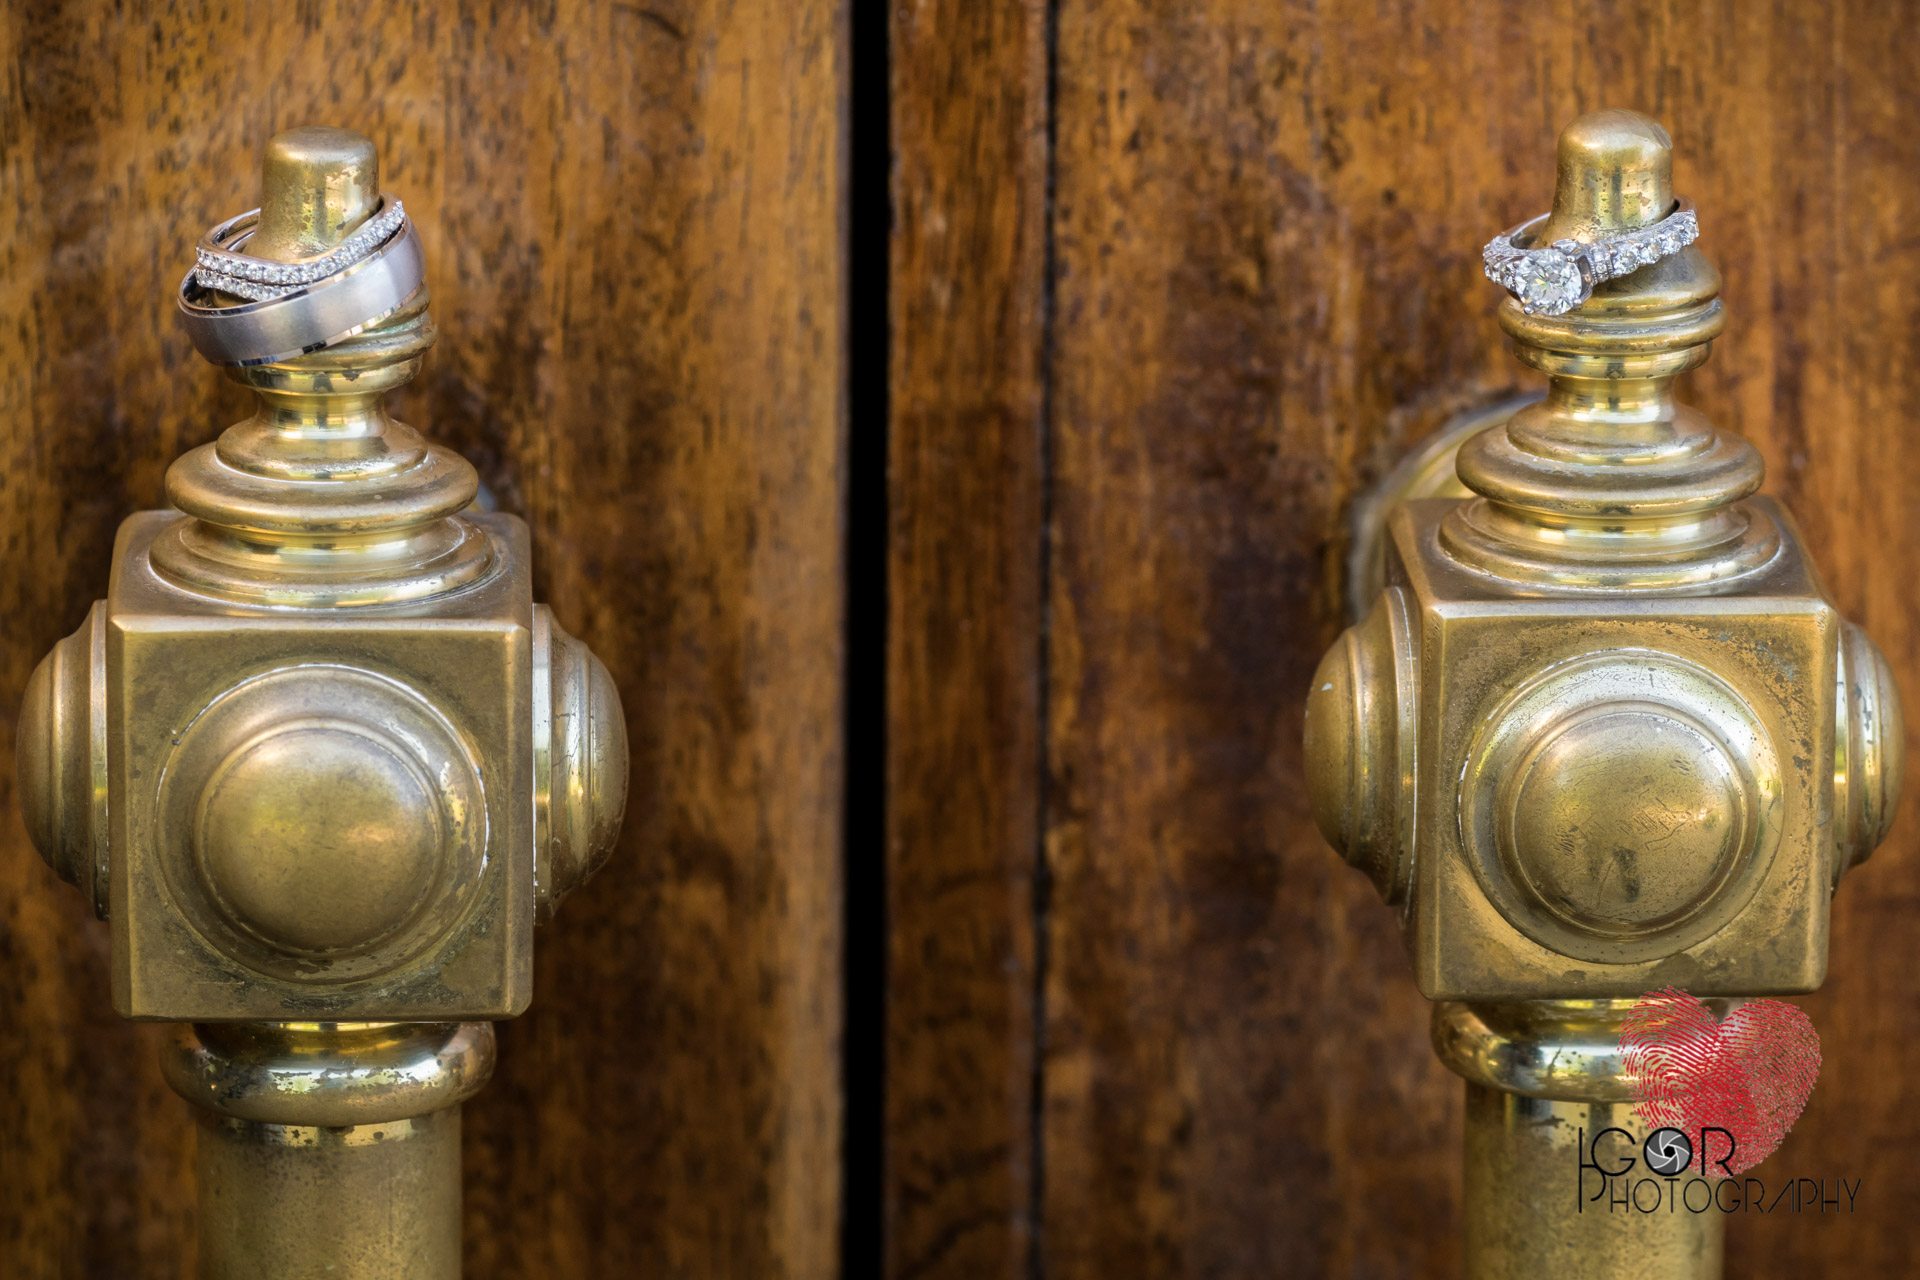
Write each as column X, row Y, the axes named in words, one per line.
column 1749, row 1075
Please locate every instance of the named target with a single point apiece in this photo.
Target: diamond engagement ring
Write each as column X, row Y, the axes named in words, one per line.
column 222, row 265
column 1554, row 279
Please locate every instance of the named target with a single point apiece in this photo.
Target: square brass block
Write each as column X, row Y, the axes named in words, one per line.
column 389, row 875
column 1619, row 791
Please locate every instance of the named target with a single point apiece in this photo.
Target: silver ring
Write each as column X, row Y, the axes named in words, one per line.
column 222, row 266
column 307, row 317
column 1556, row 278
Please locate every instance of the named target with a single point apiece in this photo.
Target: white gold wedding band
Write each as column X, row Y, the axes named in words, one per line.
column 309, row 316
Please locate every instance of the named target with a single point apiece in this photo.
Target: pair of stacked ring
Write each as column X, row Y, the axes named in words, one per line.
column 225, row 267
column 1556, row 278
column 292, row 308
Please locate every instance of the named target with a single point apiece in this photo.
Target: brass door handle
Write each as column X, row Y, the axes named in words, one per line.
column 322, row 762
column 1603, row 731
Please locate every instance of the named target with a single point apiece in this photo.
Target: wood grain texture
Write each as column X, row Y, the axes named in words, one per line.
column 1267, row 220
column 1236, row 1078
column 963, row 673
column 632, row 217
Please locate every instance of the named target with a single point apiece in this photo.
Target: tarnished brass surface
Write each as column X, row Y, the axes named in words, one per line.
column 320, row 759
column 321, row 498
column 1428, row 471
column 316, row 185
column 579, row 762
column 297, row 1202
column 1870, row 751
column 1609, row 484
column 1603, row 731
column 1567, row 1050
column 1361, row 744
column 329, row 1150
column 413, row 727
column 63, row 759
column 290, row 1072
column 1522, row 1189
column 1543, row 1079
column 1614, row 173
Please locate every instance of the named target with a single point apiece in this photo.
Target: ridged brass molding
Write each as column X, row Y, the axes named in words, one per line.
column 322, row 762
column 1602, row 730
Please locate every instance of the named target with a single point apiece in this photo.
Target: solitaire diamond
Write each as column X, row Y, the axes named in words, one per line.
column 1548, row 281
column 1554, row 279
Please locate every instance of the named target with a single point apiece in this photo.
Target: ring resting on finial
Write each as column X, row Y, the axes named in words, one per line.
column 299, row 307
column 1554, row 279
column 224, row 266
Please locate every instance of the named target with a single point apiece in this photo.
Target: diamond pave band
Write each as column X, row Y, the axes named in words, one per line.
column 1556, row 278
column 305, row 318
column 221, row 266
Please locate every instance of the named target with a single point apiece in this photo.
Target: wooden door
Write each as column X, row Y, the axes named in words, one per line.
column 1173, row 281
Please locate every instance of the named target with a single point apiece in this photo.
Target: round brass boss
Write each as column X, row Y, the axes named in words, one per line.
column 1625, row 819
column 1360, row 740
column 1613, row 806
column 322, row 823
column 319, row 836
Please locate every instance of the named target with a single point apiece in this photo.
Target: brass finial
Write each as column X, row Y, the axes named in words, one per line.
column 381, row 524
column 1615, row 174
column 317, row 184
column 1609, row 482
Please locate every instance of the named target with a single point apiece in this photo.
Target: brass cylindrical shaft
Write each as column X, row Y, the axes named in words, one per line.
column 1549, row 1190
column 329, row 1151
column 1530, row 1212
column 305, row 1202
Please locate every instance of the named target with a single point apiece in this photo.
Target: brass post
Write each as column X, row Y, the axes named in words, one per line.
column 1601, row 733
column 323, row 763
column 329, row 1149
column 1544, row 1082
